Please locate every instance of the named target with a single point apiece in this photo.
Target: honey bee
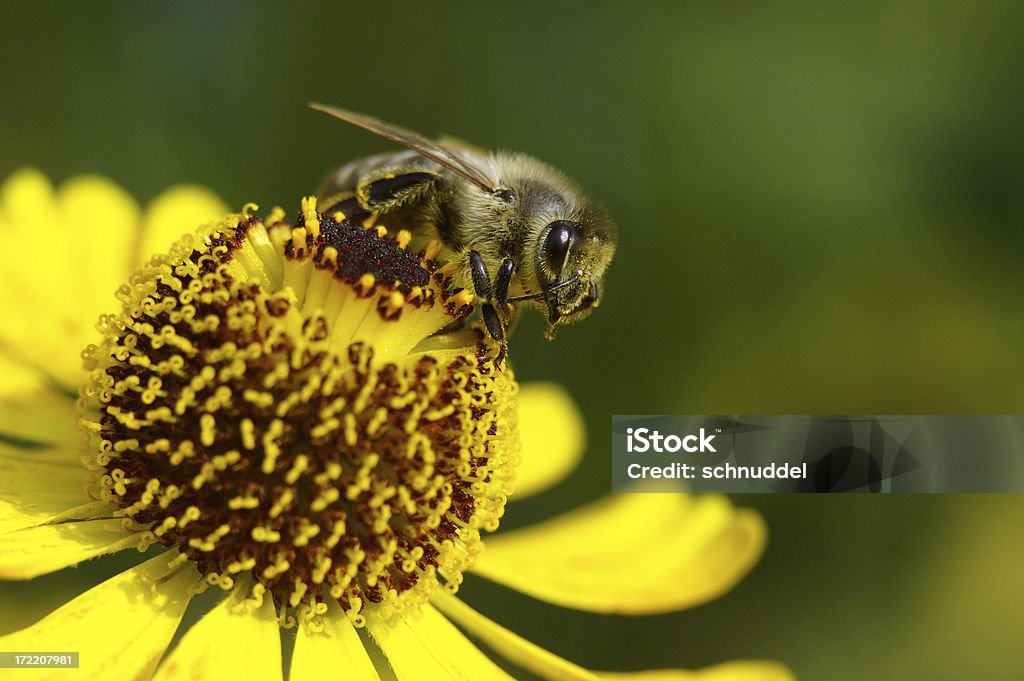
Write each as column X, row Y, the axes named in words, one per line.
column 505, row 213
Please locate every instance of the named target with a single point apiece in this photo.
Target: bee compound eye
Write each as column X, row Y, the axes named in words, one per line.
column 560, row 236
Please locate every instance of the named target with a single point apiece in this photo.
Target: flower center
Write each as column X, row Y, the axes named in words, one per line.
column 276, row 402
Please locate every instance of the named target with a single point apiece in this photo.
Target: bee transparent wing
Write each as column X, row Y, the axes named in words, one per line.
column 412, row 140
column 460, row 145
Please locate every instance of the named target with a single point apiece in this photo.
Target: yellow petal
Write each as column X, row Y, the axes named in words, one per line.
column 14, row 517
column 35, row 551
column 121, row 628
column 177, row 211
column 511, row 646
column 230, row 642
column 430, row 647
column 31, row 270
column 28, row 211
column 62, row 455
column 743, row 670
column 546, row 664
column 66, row 252
column 17, row 377
column 630, row 553
column 552, row 434
column 28, row 197
column 64, row 256
column 101, row 222
column 337, row 647
column 33, row 492
column 40, row 414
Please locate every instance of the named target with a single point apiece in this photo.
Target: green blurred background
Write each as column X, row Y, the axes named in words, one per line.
column 820, row 207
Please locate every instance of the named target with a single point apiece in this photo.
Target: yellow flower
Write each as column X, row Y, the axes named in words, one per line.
column 269, row 410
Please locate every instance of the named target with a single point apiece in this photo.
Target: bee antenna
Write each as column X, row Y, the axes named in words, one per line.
column 563, row 284
column 544, row 294
column 528, row 296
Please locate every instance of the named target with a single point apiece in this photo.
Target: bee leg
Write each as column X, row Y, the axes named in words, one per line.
column 385, row 190
column 348, row 206
column 481, row 277
column 493, row 322
column 508, row 311
column 511, row 318
column 502, row 281
column 493, row 319
column 496, row 327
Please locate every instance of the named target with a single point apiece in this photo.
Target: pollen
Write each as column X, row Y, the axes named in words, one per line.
column 290, row 402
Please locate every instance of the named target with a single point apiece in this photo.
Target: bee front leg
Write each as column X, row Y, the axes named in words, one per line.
column 481, row 277
column 493, row 322
column 502, row 282
column 494, row 308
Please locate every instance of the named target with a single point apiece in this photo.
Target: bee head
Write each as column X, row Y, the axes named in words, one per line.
column 561, row 243
column 571, row 259
column 567, row 243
